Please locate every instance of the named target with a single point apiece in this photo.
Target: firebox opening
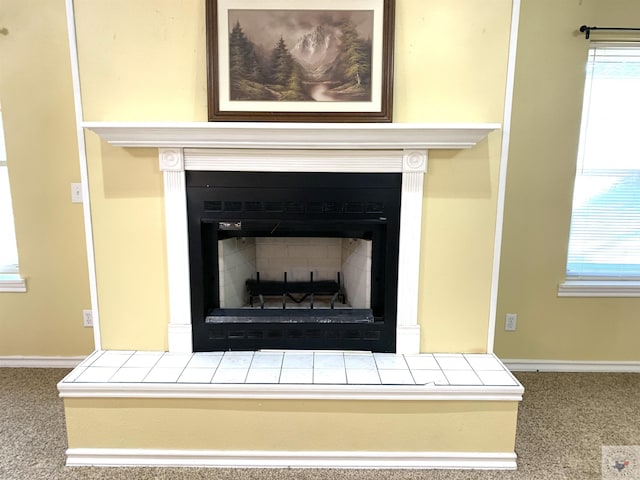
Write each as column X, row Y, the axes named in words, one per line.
column 294, row 273
column 294, row 279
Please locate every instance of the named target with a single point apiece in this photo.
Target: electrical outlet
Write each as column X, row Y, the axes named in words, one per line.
column 510, row 322
column 76, row 193
column 87, row 318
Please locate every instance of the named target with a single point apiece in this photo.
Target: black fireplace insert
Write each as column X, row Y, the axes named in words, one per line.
column 293, row 260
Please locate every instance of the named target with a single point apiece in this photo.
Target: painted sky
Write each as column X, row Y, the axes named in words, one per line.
column 265, row 27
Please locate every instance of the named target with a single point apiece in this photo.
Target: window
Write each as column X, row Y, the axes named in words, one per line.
column 604, row 242
column 9, row 278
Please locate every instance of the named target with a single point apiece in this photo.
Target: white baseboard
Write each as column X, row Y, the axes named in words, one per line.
column 524, row 365
column 277, row 459
column 40, row 362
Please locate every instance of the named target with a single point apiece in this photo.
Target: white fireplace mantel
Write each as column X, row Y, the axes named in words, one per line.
column 267, row 135
column 293, row 147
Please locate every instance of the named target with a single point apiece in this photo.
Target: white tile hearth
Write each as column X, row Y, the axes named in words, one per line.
column 95, row 374
column 363, row 376
column 296, row 376
column 163, row 375
column 452, row 361
column 143, row 359
column 196, row 375
column 297, row 360
column 396, row 377
column 359, row 361
column 389, row 361
column 422, row 362
column 267, row 360
column 330, row 376
column 333, row 361
column 483, row 362
column 462, row 377
column 263, row 375
column 174, row 360
column 240, row 360
column 113, row 358
column 130, row 374
column 496, row 377
column 230, row 375
column 424, row 377
column 207, row 360
column 292, row 368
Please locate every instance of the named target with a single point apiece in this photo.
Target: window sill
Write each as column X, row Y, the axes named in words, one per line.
column 12, row 283
column 599, row 288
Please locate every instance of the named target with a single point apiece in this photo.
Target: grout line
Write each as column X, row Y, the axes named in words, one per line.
column 470, row 366
column 114, row 374
column 183, row 369
column 412, row 375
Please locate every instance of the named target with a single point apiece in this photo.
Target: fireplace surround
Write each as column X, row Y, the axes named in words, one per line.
column 280, row 147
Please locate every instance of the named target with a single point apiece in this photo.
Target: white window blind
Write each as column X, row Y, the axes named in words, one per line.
column 605, row 226
column 8, row 250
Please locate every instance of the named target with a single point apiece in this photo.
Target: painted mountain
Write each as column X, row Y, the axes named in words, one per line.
column 318, row 51
column 300, row 56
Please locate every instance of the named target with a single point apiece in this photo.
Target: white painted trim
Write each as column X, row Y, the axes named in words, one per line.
column 306, row 136
column 502, row 182
column 40, row 361
column 599, row 288
column 279, row 459
column 344, row 161
column 533, row 365
column 180, row 336
column 408, row 339
column 408, row 292
column 12, row 283
column 176, row 234
column 84, row 175
column 292, row 392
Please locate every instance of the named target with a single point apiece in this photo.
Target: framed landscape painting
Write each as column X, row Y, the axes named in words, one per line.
column 280, row 60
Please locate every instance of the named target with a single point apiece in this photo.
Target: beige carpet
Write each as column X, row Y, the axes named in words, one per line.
column 564, row 421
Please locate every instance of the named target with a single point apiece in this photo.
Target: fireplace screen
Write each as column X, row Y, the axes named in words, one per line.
column 293, row 260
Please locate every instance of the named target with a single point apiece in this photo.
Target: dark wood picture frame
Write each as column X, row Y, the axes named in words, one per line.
column 367, row 26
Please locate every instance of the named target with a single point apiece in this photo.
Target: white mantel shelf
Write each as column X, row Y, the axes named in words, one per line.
column 313, row 136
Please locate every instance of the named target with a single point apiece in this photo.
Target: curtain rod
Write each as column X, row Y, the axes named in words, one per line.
column 587, row 30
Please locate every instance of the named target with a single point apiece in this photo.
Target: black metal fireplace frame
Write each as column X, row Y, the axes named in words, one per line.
column 348, row 205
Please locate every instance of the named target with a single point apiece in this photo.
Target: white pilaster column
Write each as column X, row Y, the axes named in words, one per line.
column 414, row 166
column 175, row 206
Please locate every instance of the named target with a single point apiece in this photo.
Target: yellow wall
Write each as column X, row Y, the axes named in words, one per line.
column 37, row 106
column 139, row 61
column 451, row 67
column 283, row 425
column 542, row 159
column 145, row 60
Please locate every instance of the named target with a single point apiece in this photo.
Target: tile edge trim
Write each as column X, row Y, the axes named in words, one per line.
column 291, row 392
